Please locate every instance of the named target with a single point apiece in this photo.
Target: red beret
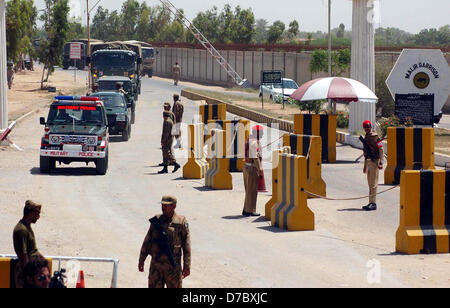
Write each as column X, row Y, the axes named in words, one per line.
column 258, row 128
column 367, row 123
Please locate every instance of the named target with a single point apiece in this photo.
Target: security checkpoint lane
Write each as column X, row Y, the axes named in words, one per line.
column 87, row 215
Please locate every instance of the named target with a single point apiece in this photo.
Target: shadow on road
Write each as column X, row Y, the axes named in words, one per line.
column 350, row 210
column 116, row 139
column 62, row 171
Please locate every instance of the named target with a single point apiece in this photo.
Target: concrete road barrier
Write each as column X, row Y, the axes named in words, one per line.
column 311, row 148
column 237, row 132
column 218, row 175
column 322, row 125
column 275, row 165
column 291, row 211
column 196, row 166
column 408, row 149
column 424, row 212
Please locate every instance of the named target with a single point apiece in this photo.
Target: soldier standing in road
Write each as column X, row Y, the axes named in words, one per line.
column 252, row 170
column 178, row 110
column 24, row 240
column 372, row 164
column 176, row 70
column 166, row 241
column 166, row 145
column 10, row 74
column 171, row 114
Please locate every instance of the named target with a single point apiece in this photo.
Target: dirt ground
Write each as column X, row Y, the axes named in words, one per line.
column 26, row 95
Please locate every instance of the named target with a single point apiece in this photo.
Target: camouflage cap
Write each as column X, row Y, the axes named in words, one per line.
column 167, row 105
column 168, row 200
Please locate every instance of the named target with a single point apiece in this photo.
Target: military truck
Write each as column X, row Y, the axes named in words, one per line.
column 76, row 130
column 148, row 57
column 108, row 84
column 117, row 59
column 80, row 64
column 117, row 112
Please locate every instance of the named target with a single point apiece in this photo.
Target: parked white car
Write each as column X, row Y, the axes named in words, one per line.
column 276, row 90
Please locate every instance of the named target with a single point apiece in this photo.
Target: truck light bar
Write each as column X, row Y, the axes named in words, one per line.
column 77, row 98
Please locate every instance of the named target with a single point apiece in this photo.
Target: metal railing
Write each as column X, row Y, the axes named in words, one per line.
column 82, row 259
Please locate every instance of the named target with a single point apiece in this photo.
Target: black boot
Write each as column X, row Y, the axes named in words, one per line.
column 164, row 170
column 370, row 207
column 177, row 166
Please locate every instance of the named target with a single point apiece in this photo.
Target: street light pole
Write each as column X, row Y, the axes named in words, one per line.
column 89, row 41
column 3, row 68
column 329, row 38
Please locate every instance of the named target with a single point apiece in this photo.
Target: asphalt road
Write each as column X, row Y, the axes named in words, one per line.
column 107, row 216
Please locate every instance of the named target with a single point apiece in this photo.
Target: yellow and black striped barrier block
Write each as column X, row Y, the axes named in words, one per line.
column 408, row 149
column 237, row 132
column 424, row 212
column 322, row 125
column 291, row 211
column 340, row 137
column 8, row 272
column 212, row 112
column 218, row 175
column 196, row 166
column 311, row 148
column 275, row 164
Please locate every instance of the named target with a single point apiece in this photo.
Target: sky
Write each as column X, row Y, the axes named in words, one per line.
column 312, row 15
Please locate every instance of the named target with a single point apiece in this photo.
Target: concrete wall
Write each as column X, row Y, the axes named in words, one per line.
column 199, row 66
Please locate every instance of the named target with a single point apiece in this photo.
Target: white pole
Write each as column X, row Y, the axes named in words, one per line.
column 3, row 69
column 329, row 38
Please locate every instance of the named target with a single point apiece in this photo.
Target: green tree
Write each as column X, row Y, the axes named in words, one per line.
column 341, row 31
column 275, row 32
column 56, row 25
column 261, row 31
column 76, row 29
column 293, row 30
column 20, row 28
column 143, row 25
column 129, row 19
column 340, row 61
column 242, row 26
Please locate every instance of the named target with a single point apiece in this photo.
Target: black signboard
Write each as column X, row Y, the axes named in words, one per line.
column 420, row 108
column 271, row 77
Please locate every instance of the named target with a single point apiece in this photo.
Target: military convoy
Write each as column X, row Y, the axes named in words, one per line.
column 77, row 128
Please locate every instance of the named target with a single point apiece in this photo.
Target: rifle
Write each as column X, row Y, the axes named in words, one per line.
column 367, row 149
column 163, row 241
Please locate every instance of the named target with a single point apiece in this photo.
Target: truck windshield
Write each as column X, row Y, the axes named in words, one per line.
column 113, row 60
column 147, row 53
column 111, row 101
column 110, row 85
column 81, row 114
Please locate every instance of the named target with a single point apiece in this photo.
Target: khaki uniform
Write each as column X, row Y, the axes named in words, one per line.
column 372, row 166
column 176, row 70
column 24, row 244
column 178, row 110
column 166, row 142
column 252, row 171
column 161, row 271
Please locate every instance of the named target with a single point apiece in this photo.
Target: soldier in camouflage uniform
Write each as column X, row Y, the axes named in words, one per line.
column 178, row 110
column 171, row 114
column 176, row 228
column 166, row 144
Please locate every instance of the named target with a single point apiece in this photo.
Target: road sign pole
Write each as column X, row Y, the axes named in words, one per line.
column 3, row 69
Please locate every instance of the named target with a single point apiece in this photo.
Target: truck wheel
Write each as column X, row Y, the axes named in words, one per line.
column 133, row 117
column 65, row 67
column 126, row 133
column 44, row 164
column 101, row 165
column 52, row 164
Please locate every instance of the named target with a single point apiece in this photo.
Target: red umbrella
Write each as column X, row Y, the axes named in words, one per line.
column 334, row 88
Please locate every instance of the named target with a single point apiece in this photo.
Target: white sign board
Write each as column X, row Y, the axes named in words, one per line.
column 421, row 71
column 75, row 51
